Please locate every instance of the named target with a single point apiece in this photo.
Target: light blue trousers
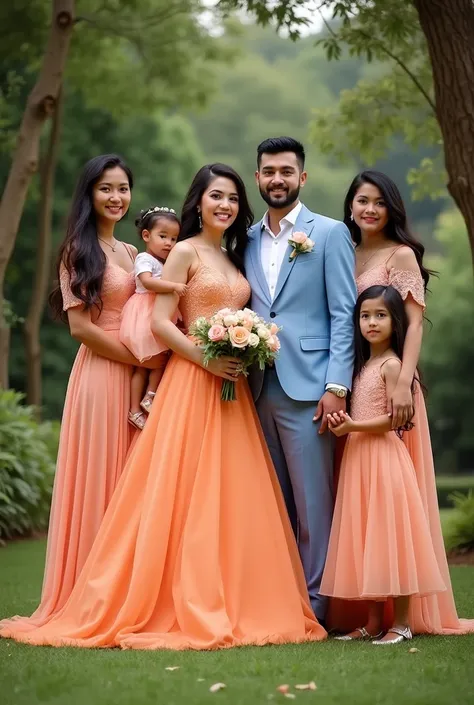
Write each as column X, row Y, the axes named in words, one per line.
column 304, row 462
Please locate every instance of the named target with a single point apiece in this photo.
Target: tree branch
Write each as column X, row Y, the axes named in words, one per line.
column 393, row 56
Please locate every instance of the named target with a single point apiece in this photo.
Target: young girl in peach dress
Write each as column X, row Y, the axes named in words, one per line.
column 388, row 253
column 196, row 550
column 380, row 544
column 95, row 274
column 159, row 229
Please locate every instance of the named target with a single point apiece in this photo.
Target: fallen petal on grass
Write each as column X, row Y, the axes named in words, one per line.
column 306, row 686
column 283, row 688
column 216, row 687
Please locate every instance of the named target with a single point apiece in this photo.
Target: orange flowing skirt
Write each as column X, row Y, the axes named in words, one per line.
column 196, row 550
column 381, row 544
column 94, row 441
column 432, row 614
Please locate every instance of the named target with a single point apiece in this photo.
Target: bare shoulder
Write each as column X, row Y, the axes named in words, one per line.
column 390, row 369
column 184, row 252
column 404, row 258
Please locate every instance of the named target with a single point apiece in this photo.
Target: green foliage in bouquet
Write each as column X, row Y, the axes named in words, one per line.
column 27, row 464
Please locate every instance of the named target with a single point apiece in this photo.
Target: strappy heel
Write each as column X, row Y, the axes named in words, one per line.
column 138, row 419
column 365, row 636
column 403, row 634
column 147, row 401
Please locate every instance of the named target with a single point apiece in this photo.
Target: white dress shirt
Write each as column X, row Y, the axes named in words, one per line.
column 273, row 247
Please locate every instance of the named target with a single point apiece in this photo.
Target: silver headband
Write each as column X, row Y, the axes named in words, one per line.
column 159, row 209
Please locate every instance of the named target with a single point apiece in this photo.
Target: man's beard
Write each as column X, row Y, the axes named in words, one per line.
column 282, row 202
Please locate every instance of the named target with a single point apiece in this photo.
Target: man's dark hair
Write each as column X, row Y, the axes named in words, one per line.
column 275, row 145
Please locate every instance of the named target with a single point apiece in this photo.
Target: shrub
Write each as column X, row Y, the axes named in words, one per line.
column 27, row 464
column 460, row 531
column 448, row 485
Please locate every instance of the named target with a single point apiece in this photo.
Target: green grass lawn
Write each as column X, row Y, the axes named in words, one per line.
column 440, row 673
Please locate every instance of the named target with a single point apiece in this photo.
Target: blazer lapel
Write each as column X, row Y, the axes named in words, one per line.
column 255, row 236
column 304, row 223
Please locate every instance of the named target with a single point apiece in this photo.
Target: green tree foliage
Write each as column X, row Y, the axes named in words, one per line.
column 448, row 350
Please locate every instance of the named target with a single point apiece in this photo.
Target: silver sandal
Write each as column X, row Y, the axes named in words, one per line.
column 365, row 636
column 403, row 633
column 138, row 419
column 147, row 401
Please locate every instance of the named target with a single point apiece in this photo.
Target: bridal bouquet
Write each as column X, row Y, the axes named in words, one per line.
column 241, row 334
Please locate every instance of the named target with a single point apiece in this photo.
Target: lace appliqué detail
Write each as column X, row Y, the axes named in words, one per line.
column 369, row 396
column 408, row 282
column 208, row 291
column 69, row 300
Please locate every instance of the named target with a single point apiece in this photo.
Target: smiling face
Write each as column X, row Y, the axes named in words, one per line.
column 375, row 321
column 219, row 204
column 369, row 210
column 111, row 195
column 280, row 179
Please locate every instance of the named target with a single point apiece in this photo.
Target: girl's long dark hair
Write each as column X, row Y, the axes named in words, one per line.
column 80, row 253
column 396, row 308
column 235, row 237
column 397, row 228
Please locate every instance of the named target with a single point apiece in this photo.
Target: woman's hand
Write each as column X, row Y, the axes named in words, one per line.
column 340, row 423
column 401, row 405
column 225, row 367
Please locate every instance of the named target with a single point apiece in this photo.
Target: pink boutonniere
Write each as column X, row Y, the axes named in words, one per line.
column 300, row 243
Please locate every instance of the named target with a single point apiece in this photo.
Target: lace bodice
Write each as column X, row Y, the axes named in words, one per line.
column 117, row 287
column 208, row 291
column 369, row 398
column 404, row 281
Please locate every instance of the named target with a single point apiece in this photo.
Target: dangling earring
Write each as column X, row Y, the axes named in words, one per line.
column 352, row 217
column 200, row 220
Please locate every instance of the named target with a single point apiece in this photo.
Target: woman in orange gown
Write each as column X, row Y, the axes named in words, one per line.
column 95, row 281
column 196, row 550
column 388, row 254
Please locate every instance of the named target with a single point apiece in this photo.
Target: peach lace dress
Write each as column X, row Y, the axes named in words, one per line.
column 95, row 438
column 379, row 546
column 435, row 614
column 196, row 550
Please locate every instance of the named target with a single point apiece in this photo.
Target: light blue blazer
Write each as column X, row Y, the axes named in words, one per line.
column 313, row 303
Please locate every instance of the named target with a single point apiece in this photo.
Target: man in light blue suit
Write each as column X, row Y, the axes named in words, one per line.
column 312, row 298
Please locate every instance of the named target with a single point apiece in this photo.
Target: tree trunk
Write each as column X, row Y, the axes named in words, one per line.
column 449, row 30
column 43, row 261
column 40, row 105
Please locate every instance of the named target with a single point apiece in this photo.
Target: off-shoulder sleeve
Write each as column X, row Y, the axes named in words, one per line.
column 69, row 300
column 406, row 282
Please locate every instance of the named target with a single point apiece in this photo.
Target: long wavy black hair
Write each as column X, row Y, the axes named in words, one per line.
column 397, row 228
column 80, row 253
column 235, row 237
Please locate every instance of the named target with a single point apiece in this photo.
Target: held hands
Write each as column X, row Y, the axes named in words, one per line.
column 328, row 404
column 401, row 407
column 340, row 423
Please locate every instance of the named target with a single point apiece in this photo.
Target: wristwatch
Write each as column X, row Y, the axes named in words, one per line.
column 337, row 389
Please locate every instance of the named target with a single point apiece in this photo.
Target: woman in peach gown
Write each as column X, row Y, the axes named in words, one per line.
column 387, row 253
column 196, row 550
column 95, row 280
